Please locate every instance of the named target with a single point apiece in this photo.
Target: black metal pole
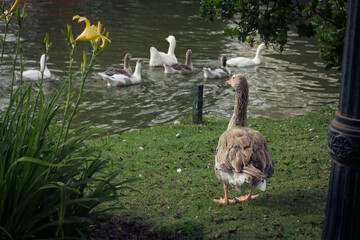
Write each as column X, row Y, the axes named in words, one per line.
column 342, row 219
column 197, row 104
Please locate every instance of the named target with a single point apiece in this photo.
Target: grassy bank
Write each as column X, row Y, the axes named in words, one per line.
column 178, row 204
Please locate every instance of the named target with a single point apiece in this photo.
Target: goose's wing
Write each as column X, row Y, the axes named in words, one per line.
column 260, row 158
column 219, row 72
column 155, row 57
column 168, row 59
column 31, row 75
column 239, row 62
column 234, row 150
column 113, row 71
column 244, row 150
column 180, row 67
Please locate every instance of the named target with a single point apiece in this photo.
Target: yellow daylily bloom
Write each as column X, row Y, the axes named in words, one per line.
column 99, row 28
column 12, row 9
column 104, row 42
column 90, row 32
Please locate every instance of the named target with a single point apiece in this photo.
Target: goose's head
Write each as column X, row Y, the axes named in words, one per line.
column 188, row 53
column 238, row 82
column 171, row 39
column 261, row 47
column 127, row 56
column 140, row 62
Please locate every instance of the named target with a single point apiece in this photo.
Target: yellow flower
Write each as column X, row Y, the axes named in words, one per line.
column 12, row 9
column 104, row 43
column 90, row 32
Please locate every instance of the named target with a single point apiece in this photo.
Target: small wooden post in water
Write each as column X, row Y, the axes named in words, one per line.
column 342, row 219
column 197, row 104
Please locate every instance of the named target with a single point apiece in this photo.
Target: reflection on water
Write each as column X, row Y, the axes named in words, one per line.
column 283, row 85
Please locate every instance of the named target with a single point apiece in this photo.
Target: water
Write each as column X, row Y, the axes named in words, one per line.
column 283, row 85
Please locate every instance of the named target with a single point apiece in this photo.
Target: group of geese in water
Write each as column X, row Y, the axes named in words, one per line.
column 242, row 157
column 125, row 77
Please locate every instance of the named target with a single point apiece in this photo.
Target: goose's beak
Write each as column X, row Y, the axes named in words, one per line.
column 229, row 81
column 167, row 39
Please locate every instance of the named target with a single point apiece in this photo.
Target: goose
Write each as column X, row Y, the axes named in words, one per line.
column 35, row 75
column 245, row 62
column 242, row 158
column 121, row 80
column 218, row 72
column 158, row 58
column 127, row 68
column 178, row 68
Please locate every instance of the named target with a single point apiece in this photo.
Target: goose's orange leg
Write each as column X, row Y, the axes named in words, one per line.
column 247, row 197
column 226, row 199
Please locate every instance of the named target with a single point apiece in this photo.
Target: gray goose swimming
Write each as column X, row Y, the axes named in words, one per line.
column 179, row 68
column 218, row 72
column 127, row 68
column 121, row 80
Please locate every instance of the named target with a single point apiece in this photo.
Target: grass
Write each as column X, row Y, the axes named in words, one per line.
column 178, row 205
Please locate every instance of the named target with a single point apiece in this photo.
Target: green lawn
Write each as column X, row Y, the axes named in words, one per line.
column 178, row 204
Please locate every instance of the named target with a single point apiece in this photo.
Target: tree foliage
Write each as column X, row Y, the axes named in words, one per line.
column 272, row 21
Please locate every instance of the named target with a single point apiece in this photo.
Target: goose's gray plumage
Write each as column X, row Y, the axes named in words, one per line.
column 218, row 72
column 125, row 71
column 179, row 68
column 121, row 80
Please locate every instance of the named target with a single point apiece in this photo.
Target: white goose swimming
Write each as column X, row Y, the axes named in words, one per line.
column 218, row 72
column 35, row 75
column 159, row 58
column 122, row 80
column 127, row 68
column 245, row 62
column 179, row 68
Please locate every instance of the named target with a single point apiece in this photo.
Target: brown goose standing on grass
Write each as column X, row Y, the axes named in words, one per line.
column 127, row 68
column 242, row 158
column 179, row 68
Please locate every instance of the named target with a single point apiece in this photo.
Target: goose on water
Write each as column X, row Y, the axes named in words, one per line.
column 122, row 80
column 178, row 68
column 127, row 68
column 159, row 58
column 245, row 62
column 218, row 72
column 35, row 75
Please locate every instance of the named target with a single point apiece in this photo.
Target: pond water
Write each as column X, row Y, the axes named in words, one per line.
column 283, row 85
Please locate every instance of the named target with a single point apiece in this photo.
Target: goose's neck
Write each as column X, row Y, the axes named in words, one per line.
column 171, row 48
column 223, row 63
column 137, row 72
column 239, row 117
column 188, row 60
column 126, row 63
column 43, row 65
column 258, row 52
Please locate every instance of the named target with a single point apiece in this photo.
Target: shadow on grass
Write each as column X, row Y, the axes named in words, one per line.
column 140, row 227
